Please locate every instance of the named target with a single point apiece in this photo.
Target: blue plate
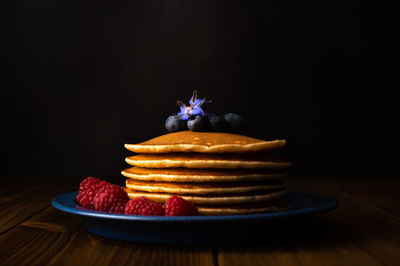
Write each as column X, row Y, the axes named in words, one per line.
column 194, row 229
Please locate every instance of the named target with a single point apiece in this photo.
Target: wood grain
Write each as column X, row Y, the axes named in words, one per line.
column 34, row 246
column 57, row 238
column 27, row 198
column 364, row 230
column 54, row 220
column 351, row 235
column 373, row 231
column 382, row 196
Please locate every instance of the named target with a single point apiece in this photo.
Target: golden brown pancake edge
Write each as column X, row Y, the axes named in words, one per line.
column 204, row 142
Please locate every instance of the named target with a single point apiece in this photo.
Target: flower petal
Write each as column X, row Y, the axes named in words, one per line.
column 197, row 111
column 183, row 110
column 197, row 103
column 184, row 117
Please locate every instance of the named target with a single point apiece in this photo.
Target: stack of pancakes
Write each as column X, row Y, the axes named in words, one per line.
column 221, row 173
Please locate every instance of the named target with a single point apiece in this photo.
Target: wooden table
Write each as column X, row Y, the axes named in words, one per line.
column 364, row 230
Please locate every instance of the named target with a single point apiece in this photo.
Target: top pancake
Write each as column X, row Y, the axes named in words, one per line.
column 204, row 142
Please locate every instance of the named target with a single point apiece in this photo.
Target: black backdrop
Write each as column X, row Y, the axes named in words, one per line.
column 85, row 76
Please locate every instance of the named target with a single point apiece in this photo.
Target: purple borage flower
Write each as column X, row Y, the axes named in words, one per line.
column 193, row 109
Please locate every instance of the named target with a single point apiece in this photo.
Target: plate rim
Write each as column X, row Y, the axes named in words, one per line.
column 324, row 204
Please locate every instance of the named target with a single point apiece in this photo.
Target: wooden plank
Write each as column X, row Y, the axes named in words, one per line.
column 18, row 205
column 293, row 255
column 381, row 194
column 25, row 245
column 371, row 230
column 55, row 237
column 351, row 235
column 54, row 220
column 355, row 234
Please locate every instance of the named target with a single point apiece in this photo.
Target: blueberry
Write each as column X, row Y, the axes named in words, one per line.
column 234, row 121
column 209, row 115
column 197, row 123
column 173, row 124
column 218, row 123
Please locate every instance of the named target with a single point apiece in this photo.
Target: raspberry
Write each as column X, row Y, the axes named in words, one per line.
column 177, row 206
column 88, row 183
column 110, row 198
column 143, row 206
column 87, row 190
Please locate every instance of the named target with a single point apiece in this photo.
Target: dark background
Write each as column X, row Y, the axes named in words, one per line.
column 83, row 77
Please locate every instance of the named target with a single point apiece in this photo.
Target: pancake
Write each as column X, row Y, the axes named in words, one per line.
column 203, row 189
column 271, row 206
column 200, row 175
column 240, row 198
column 204, row 142
column 196, row 160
